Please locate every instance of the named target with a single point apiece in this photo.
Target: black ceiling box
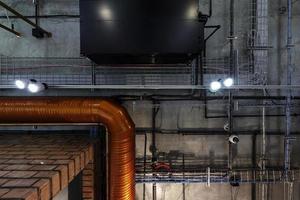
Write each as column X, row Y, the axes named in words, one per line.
column 140, row 31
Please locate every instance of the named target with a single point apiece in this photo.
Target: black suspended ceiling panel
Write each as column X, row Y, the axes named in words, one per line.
column 140, row 31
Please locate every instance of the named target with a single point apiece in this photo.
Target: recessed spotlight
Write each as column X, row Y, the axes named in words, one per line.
column 35, row 87
column 21, row 84
column 106, row 13
column 215, row 86
column 228, row 82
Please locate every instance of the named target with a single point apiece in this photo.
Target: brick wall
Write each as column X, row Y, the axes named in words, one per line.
column 37, row 167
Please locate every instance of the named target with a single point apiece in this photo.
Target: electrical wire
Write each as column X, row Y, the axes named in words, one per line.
column 43, row 16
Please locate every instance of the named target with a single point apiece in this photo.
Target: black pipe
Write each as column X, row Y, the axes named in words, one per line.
column 210, row 8
column 216, row 28
column 153, row 131
column 188, row 97
column 206, row 131
column 250, row 116
column 253, row 35
column 253, row 185
column 37, row 11
column 196, row 77
column 153, row 145
column 145, row 162
column 41, row 16
column 209, row 98
column 183, row 174
column 230, row 96
column 10, row 30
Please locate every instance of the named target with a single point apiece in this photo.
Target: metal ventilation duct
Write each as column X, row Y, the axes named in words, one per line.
column 121, row 144
column 141, row 32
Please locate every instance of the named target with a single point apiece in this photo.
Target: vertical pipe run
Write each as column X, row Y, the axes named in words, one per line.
column 145, row 162
column 183, row 175
column 154, row 191
column 287, row 140
column 154, row 153
column 253, row 34
column 230, row 99
column 253, row 185
column 153, row 146
column 263, row 147
column 37, row 11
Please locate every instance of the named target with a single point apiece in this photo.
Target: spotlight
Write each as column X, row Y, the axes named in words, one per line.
column 234, row 139
column 21, row 84
column 215, row 86
column 35, row 87
column 106, row 13
column 228, row 82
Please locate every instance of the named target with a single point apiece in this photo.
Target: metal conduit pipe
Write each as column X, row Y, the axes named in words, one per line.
column 121, row 138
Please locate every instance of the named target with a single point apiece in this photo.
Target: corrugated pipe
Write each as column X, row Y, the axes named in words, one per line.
column 121, row 139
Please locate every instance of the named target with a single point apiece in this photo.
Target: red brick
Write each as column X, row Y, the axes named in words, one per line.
column 39, row 152
column 20, row 174
column 64, row 175
column 87, row 178
column 87, row 172
column 2, row 181
column 3, row 161
column 82, row 160
column 43, row 167
column 24, row 194
column 20, row 161
column 3, row 191
column 12, row 156
column 54, row 177
column 15, row 153
column 37, row 157
column 2, row 166
column 19, row 183
column 31, row 164
column 87, row 184
column 2, row 173
column 77, row 163
column 18, row 167
column 44, row 189
column 41, row 162
column 60, row 157
column 87, row 189
column 87, row 195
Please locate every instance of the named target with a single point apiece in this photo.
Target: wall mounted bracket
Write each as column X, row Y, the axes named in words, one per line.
column 38, row 30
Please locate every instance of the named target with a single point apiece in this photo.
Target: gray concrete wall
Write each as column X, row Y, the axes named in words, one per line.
column 66, row 33
column 66, row 43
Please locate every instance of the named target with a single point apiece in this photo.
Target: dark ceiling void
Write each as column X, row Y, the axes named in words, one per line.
column 141, row 32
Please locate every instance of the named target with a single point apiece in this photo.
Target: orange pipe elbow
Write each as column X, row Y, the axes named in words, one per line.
column 121, row 139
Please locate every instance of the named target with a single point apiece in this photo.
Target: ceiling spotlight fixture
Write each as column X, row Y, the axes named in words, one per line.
column 21, row 84
column 32, row 85
column 215, row 86
column 35, row 87
column 228, row 82
column 106, row 13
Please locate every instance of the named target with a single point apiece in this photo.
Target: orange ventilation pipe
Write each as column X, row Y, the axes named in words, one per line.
column 121, row 139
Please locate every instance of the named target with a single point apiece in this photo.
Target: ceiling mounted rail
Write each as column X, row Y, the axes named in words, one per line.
column 164, row 87
column 11, row 30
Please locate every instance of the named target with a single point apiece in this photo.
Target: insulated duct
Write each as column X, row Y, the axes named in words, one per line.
column 121, row 139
